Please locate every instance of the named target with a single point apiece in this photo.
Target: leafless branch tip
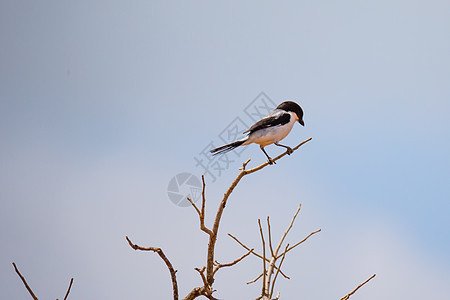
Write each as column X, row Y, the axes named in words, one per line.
column 24, row 282
column 346, row 297
column 165, row 259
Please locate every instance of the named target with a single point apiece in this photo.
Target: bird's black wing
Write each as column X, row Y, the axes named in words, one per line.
column 279, row 118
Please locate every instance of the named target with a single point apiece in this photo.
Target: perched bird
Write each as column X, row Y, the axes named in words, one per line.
column 269, row 130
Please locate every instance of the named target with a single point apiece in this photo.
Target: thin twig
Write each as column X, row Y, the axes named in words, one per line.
column 270, row 237
column 254, row 253
column 201, row 217
column 202, row 274
column 302, row 241
column 346, row 297
column 268, row 285
column 244, row 165
column 278, row 271
column 264, row 258
column 201, row 213
column 195, row 206
column 205, row 290
column 287, row 230
column 68, row 290
column 25, row 282
column 278, row 157
column 165, row 259
column 202, row 220
column 256, row 279
column 219, row 266
column 213, row 232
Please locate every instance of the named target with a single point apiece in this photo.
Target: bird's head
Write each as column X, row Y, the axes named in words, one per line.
column 293, row 107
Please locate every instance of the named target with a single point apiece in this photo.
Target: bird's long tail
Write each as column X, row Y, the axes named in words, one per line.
column 228, row 147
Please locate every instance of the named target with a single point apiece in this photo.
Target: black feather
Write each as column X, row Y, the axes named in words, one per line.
column 274, row 120
column 226, row 148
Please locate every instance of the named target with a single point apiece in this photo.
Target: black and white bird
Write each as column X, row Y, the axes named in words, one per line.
column 270, row 129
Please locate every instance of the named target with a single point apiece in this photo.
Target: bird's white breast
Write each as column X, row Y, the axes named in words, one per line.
column 273, row 134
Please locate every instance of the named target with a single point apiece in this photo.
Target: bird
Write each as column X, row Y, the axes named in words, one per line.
column 269, row 130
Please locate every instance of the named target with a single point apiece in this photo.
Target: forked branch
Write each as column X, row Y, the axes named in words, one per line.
column 276, row 274
column 201, row 213
column 213, row 232
column 165, row 259
column 223, row 203
column 257, row 255
column 207, row 273
column 301, row 242
column 267, row 283
column 29, row 288
column 219, row 266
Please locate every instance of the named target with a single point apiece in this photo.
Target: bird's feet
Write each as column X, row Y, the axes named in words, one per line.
column 271, row 161
column 289, row 150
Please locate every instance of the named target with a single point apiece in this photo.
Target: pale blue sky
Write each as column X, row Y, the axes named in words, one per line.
column 101, row 104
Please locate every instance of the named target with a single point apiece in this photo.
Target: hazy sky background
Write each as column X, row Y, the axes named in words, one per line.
column 103, row 102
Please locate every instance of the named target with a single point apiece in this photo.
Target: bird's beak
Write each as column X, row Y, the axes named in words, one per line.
column 301, row 122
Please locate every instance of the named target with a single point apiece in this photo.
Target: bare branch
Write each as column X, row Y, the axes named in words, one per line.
column 276, row 274
column 201, row 216
column 202, row 274
column 215, row 228
column 202, row 219
column 242, row 244
column 244, row 165
column 287, row 230
column 346, row 297
column 270, row 236
column 268, row 284
column 211, row 269
column 204, row 290
column 68, row 290
column 278, row 157
column 196, row 292
column 201, row 213
column 302, row 241
column 219, row 266
column 25, row 282
column 29, row 289
column 254, row 253
column 264, row 258
column 165, row 259
column 256, row 279
column 195, row 206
